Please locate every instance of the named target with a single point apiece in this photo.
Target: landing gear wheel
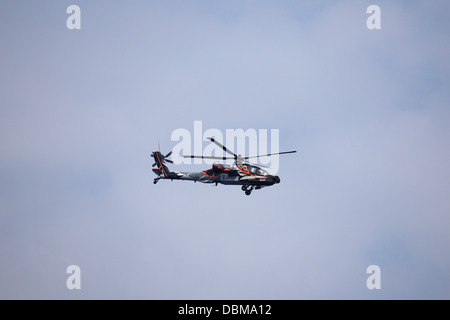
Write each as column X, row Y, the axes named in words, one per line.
column 155, row 181
column 244, row 188
column 248, row 192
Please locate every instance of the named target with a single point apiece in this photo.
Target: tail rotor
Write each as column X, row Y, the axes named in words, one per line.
column 159, row 156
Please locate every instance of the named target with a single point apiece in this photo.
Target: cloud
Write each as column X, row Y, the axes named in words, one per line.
column 367, row 111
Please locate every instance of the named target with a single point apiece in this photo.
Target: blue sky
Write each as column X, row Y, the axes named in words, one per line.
column 368, row 111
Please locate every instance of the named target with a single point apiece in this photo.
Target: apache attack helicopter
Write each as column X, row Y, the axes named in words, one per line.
column 249, row 176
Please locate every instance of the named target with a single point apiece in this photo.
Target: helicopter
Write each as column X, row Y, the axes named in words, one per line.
column 249, row 176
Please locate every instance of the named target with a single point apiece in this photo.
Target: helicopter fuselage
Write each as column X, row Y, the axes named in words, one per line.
column 247, row 175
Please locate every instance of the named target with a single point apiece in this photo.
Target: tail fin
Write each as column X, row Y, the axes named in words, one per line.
column 161, row 163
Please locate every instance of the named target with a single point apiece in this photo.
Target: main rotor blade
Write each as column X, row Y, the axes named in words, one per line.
column 168, row 155
column 168, row 160
column 223, row 147
column 208, row 157
column 270, row 154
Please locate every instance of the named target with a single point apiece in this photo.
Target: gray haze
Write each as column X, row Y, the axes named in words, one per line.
column 367, row 110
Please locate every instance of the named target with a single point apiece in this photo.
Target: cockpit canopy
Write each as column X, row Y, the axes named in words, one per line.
column 257, row 170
